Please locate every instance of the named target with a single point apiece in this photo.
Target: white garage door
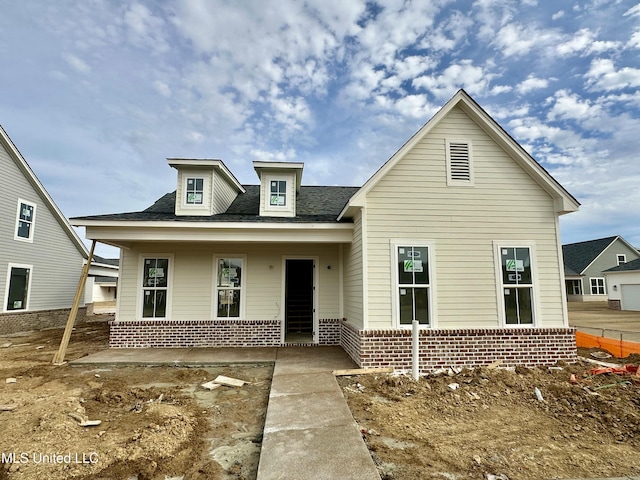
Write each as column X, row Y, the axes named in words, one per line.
column 630, row 297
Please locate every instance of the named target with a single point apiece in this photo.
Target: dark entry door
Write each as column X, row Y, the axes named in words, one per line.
column 299, row 300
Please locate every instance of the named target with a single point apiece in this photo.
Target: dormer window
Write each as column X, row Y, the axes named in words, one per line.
column 278, row 193
column 194, row 191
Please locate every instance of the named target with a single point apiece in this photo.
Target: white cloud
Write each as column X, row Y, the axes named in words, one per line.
column 162, row 88
column 460, row 75
column 558, row 15
column 517, row 39
column 79, row 65
column 602, row 75
column 532, row 83
column 145, row 28
column 633, row 11
column 569, row 106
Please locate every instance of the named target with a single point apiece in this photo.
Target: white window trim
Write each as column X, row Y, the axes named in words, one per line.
column 624, row 258
column 6, row 291
column 288, row 200
column 184, row 191
column 497, row 262
column 394, row 243
column 604, row 286
column 33, row 222
column 459, row 183
column 214, row 286
column 140, row 295
column 205, row 189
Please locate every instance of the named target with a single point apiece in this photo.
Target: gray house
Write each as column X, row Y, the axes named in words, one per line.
column 585, row 262
column 41, row 256
column 625, row 286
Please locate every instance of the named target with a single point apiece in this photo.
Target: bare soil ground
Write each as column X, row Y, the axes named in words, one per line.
column 494, row 424
column 157, row 422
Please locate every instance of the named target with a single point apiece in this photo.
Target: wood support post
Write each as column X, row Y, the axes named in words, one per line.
column 58, row 359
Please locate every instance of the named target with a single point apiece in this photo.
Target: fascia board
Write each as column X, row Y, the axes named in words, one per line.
column 320, row 233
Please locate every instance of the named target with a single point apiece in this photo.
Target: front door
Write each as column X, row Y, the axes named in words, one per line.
column 299, row 304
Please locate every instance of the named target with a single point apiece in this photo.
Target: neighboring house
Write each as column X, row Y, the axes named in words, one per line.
column 624, row 280
column 457, row 230
column 102, row 282
column 585, row 262
column 41, row 256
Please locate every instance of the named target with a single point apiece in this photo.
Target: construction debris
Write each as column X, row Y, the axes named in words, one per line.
column 8, row 407
column 11, row 380
column 84, row 421
column 228, row 381
column 212, row 385
column 624, row 370
column 6, row 345
column 361, row 371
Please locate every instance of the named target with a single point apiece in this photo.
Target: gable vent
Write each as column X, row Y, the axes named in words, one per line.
column 460, row 163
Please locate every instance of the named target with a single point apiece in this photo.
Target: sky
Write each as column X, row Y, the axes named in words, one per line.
column 96, row 94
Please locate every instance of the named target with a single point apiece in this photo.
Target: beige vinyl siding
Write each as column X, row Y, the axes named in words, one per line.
column 352, row 257
column 193, row 277
column 413, row 201
column 56, row 260
column 223, row 194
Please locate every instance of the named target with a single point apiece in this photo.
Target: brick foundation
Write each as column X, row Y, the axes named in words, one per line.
column 614, row 304
column 194, row 333
column 26, row 321
column 210, row 333
column 329, row 331
column 464, row 348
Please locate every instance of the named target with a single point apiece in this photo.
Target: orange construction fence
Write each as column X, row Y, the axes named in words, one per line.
column 617, row 348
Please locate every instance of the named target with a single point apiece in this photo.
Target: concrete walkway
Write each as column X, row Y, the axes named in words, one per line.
column 309, row 431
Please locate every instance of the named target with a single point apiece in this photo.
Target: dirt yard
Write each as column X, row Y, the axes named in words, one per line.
column 494, row 424
column 156, row 422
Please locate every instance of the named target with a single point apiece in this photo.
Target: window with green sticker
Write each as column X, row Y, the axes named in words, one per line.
column 155, row 287
column 517, row 285
column 195, row 191
column 278, row 193
column 413, row 289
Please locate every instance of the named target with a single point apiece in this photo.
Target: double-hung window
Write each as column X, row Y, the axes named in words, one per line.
column 25, row 219
column 277, row 193
column 621, row 258
column 517, row 285
column 195, row 191
column 18, row 286
column 155, row 287
column 229, row 286
column 413, row 289
column 597, row 286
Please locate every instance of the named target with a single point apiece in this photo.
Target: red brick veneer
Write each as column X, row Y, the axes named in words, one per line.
column 465, row 348
column 209, row 333
column 194, row 333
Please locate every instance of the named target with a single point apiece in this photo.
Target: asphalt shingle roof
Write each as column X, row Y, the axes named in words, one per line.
column 578, row 256
column 314, row 204
column 625, row 267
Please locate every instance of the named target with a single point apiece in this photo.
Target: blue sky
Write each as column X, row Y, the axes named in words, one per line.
column 96, row 93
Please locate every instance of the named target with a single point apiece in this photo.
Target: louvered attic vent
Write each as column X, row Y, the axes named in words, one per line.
column 459, row 162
